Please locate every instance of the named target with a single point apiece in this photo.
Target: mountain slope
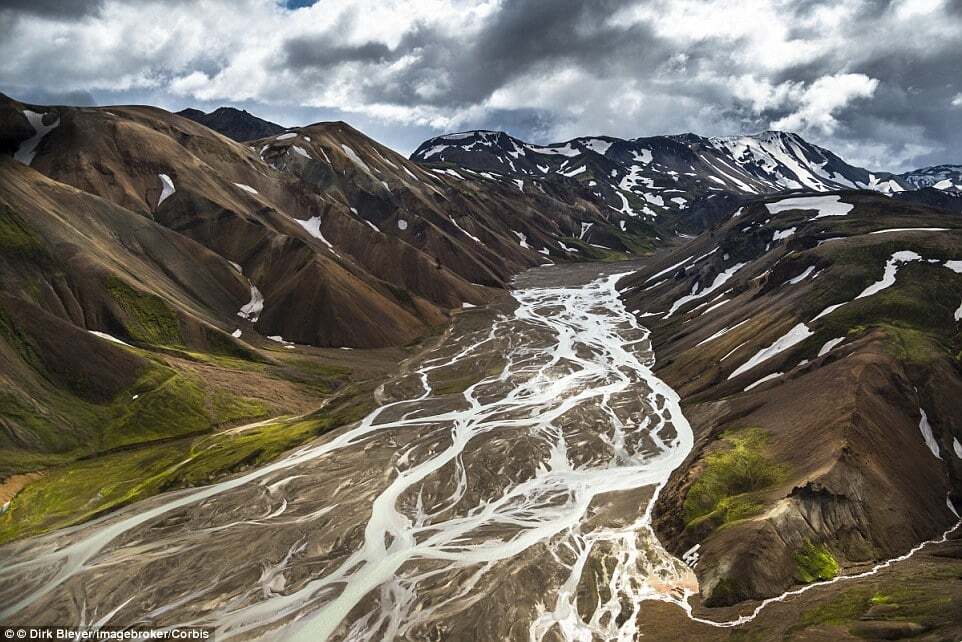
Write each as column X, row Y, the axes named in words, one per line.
column 205, row 276
column 816, row 341
column 237, row 124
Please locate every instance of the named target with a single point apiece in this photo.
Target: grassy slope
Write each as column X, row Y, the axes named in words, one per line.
column 189, row 453
column 84, row 489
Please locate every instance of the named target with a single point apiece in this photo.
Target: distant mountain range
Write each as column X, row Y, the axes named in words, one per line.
column 658, row 176
column 665, row 175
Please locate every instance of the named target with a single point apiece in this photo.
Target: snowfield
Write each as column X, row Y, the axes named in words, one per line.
column 28, row 148
column 825, row 205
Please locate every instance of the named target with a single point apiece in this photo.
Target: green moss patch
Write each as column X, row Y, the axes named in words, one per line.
column 163, row 404
column 815, row 564
column 844, row 607
column 82, row 490
column 148, row 318
column 169, row 404
column 884, row 601
column 321, row 378
column 920, row 328
column 17, row 240
column 85, row 489
column 723, row 492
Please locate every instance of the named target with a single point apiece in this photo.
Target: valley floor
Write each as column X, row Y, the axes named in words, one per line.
column 501, row 490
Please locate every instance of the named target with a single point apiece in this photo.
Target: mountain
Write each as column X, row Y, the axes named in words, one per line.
column 815, row 342
column 161, row 281
column 940, row 177
column 660, row 176
column 237, row 124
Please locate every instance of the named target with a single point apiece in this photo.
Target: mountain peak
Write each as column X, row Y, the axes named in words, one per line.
column 234, row 123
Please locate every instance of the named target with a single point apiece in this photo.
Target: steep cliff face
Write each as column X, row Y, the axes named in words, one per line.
column 816, row 342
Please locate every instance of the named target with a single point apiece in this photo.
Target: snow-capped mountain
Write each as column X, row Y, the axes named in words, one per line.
column 942, row 177
column 661, row 174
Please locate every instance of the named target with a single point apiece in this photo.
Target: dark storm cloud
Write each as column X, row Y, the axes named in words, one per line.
column 318, row 52
column 42, row 96
column 323, row 51
column 522, row 37
column 53, row 8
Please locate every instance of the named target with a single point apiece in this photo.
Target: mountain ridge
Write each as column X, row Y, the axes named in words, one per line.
column 658, row 175
column 238, row 124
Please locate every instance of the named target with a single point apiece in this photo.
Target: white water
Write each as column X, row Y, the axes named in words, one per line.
column 589, row 325
column 595, row 360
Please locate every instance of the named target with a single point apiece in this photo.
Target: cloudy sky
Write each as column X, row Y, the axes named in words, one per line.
column 877, row 81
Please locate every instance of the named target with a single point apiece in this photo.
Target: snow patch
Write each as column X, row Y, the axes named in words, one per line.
column 719, row 281
column 926, row 429
column 829, row 346
column 109, row 337
column 891, row 268
column 801, row 277
column 252, row 310
column 825, row 205
column 167, row 188
column 911, row 229
column 955, row 266
column 246, row 188
column 793, row 337
column 354, row 158
column 774, row 375
column 28, row 148
column 783, row 234
column 466, row 233
column 313, row 227
column 279, row 339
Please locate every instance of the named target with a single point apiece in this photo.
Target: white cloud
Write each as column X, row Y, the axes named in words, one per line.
column 656, row 66
column 762, row 95
column 818, row 102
